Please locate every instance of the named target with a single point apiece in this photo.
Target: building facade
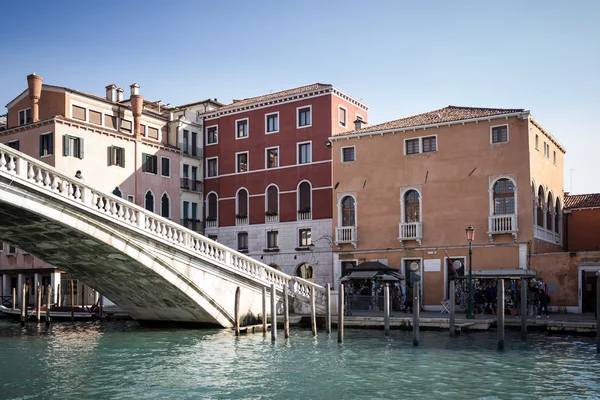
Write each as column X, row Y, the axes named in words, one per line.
column 406, row 190
column 268, row 176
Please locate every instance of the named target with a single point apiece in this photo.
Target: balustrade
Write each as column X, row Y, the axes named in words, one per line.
column 345, row 234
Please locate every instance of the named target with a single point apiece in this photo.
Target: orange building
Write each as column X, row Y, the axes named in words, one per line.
column 405, row 190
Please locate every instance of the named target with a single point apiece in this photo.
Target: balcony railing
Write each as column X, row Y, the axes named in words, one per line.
column 304, row 215
column 411, row 231
column 502, row 224
column 546, row 235
column 271, row 219
column 193, row 224
column 241, row 220
column 191, row 151
column 212, row 223
column 191, row 185
column 346, row 234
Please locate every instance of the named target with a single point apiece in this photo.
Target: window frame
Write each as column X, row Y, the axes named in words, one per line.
column 162, row 172
column 300, row 243
column 80, row 143
column 276, row 234
column 492, row 133
column 237, row 165
column 298, row 145
column 492, row 210
column 242, row 234
column 24, row 110
column 546, row 150
column 267, row 157
column 247, row 123
column 343, row 124
column 153, row 201
column 113, row 156
column 420, row 141
column 267, row 115
column 353, row 147
column 217, row 167
column 145, row 157
column 207, row 143
column 161, row 205
column 342, row 196
column 298, row 109
column 403, row 194
column 537, row 142
column 85, row 112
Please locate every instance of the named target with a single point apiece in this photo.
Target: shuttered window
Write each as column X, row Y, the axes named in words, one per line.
column 125, row 126
column 117, row 156
column 110, row 122
column 149, row 163
column 152, row 133
column 95, row 117
column 78, row 113
column 46, row 145
column 72, row 146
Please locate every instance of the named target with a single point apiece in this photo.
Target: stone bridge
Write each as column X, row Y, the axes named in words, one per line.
column 151, row 267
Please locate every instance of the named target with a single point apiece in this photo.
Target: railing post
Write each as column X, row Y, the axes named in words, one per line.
column 273, row 313
column 141, row 219
column 328, row 309
column 22, row 168
column 86, row 196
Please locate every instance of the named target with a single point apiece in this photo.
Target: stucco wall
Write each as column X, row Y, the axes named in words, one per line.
column 583, row 229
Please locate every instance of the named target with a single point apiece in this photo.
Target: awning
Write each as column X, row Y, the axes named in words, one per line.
column 375, row 275
column 501, row 274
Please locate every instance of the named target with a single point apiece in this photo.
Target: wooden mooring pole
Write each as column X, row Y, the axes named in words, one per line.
column 236, row 311
column 341, row 314
column 72, row 302
column 313, row 312
column 273, row 313
column 452, row 305
column 386, row 309
column 14, row 299
column 24, row 304
column 38, row 304
column 500, row 313
column 524, row 309
column 416, row 311
column 48, row 303
column 286, row 313
column 264, row 309
column 328, row 309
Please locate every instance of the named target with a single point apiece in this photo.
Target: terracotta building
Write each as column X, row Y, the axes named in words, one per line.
column 268, row 175
column 405, row 191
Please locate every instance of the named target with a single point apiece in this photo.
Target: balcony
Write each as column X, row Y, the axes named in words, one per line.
column 211, row 222
column 191, row 185
column 241, row 219
column 193, row 224
column 271, row 218
column 304, row 215
column 410, row 231
column 502, row 224
column 539, row 232
column 346, row 234
column 191, row 151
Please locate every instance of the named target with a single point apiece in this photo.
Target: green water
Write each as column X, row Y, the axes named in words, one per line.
column 121, row 360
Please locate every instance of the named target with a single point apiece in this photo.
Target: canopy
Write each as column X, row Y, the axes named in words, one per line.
column 501, row 274
column 375, row 275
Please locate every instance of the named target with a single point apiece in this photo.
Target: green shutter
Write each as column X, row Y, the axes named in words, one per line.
column 123, row 158
column 155, row 164
column 111, row 155
column 144, row 157
column 80, row 148
column 50, row 143
column 66, row 145
column 41, row 145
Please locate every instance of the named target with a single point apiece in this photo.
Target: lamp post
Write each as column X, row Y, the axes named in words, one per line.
column 470, row 236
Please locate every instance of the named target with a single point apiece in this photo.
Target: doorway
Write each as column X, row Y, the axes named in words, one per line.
column 587, row 289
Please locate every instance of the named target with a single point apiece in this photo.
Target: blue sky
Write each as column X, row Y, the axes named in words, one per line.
column 399, row 57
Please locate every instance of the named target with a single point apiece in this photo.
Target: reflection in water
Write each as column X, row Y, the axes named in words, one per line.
column 123, row 360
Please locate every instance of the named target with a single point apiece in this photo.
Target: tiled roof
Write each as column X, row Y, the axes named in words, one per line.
column 582, row 200
column 271, row 96
column 441, row 116
column 214, row 101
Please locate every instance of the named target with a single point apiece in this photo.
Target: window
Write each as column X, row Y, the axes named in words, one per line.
column 273, row 157
column 500, row 134
column 429, row 144
column 186, row 142
column 540, row 207
column 348, row 154
column 130, row 198
column 211, row 209
column 117, row 156
column 304, row 153
column 165, row 206
column 304, row 237
column 25, row 116
column 73, row 146
column 186, row 210
column 212, row 167
column 110, row 122
column 95, row 117
column 212, row 135
column 1, row 247
column 272, row 123
column 549, row 212
column 213, row 237
column 304, row 118
column 537, row 142
column 242, row 162
column 272, row 239
column 242, row 203
column 12, row 250
column 149, row 163
column 342, row 116
column 126, row 126
column 272, row 200
column 78, row 112
column 504, row 197
column 305, row 271
column 412, row 146
column 412, row 206
column 195, row 211
column 195, row 149
column 242, row 240
column 241, row 126
column 149, row 201
column 557, row 216
column 546, row 150
column 554, row 157
column 348, row 217
column 152, row 133
column 165, row 167
column 13, row 145
column 304, row 197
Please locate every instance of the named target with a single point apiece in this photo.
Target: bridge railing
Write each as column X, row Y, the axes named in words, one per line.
column 49, row 179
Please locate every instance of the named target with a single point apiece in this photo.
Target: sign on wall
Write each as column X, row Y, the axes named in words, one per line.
column 432, row 265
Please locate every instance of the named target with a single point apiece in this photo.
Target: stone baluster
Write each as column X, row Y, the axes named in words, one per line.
column 141, row 219
column 22, row 169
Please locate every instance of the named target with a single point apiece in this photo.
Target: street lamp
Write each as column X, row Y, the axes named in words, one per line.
column 470, row 237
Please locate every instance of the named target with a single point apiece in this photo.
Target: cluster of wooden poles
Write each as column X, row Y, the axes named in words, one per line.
column 386, row 301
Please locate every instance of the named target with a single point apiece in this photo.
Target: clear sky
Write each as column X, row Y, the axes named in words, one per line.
column 400, row 57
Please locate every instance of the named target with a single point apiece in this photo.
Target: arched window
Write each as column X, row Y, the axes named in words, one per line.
column 557, row 217
column 549, row 216
column 304, row 197
column 504, row 197
column 540, row 207
column 149, row 201
column 242, row 203
column 211, row 210
column 272, row 200
column 165, row 206
column 117, row 192
column 533, row 197
column 305, row 271
column 412, row 208
column 348, row 211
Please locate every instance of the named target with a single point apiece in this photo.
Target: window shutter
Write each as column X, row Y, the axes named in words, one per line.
column 41, row 145
column 155, row 164
column 50, row 143
column 80, row 148
column 66, row 145
column 122, row 158
column 144, row 158
column 111, row 155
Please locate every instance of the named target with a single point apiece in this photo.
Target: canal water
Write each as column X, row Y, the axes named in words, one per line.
column 121, row 360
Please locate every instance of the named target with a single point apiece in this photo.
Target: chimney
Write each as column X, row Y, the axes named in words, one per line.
column 120, row 95
column 34, row 83
column 137, row 105
column 110, row 92
column 359, row 124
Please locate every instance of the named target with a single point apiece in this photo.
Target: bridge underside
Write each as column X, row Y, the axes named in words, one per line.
column 143, row 292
